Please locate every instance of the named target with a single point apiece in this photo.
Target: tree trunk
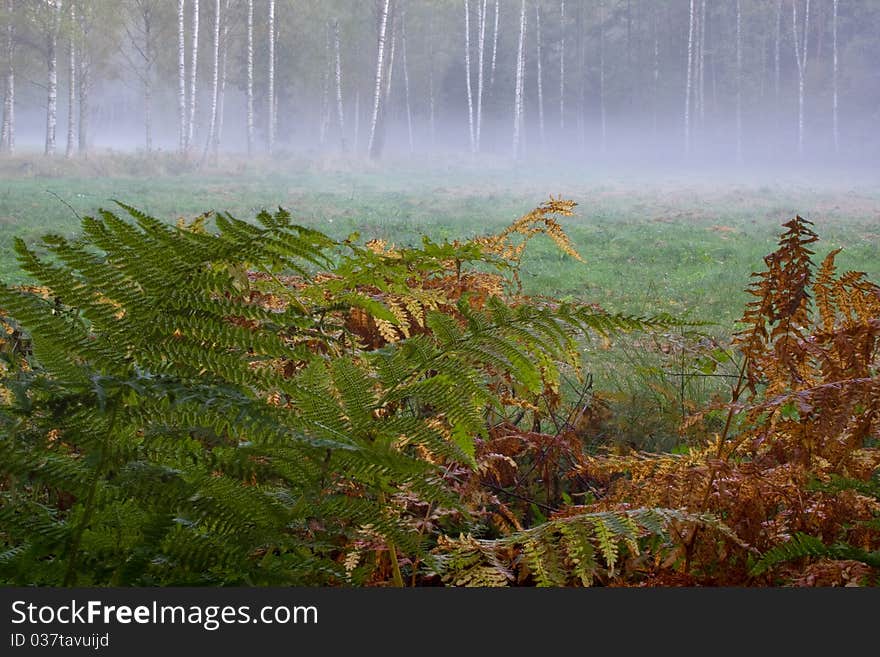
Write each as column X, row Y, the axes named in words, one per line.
column 325, row 89
column 193, row 77
column 406, row 80
column 272, row 106
column 7, row 133
column 834, row 114
column 215, row 83
column 494, row 44
column 739, row 154
column 148, row 81
column 340, row 110
column 603, row 124
column 656, row 77
column 540, row 75
column 777, row 41
column 250, row 77
column 357, row 120
column 373, row 144
column 481, row 42
column 518, row 97
column 689, row 83
column 85, row 83
column 71, row 87
column 221, row 96
column 701, row 78
column 431, row 96
column 181, row 76
column 467, row 68
column 801, row 57
column 562, row 66
column 52, row 86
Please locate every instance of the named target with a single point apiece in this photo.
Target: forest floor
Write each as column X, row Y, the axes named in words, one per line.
column 679, row 244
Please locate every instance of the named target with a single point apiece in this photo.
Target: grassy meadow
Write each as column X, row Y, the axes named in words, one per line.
column 683, row 245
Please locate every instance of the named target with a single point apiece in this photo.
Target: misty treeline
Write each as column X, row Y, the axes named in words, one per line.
column 731, row 80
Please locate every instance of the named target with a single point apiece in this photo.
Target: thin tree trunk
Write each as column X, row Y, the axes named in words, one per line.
column 85, row 84
column 272, row 106
column 467, row 68
column 250, row 77
column 562, row 66
column 389, row 75
column 518, row 99
column 406, row 80
column 357, row 119
column 340, row 110
column 431, row 97
column 193, row 76
column 221, row 96
column 602, row 119
column 656, row 78
column 834, row 113
column 738, row 72
column 325, row 89
column 372, row 146
column 71, row 87
column 582, row 77
column 776, row 51
column 701, row 78
column 494, row 44
column 480, row 67
column 540, row 76
column 7, row 133
column 181, row 75
column 689, row 83
column 52, row 97
column 148, row 83
column 215, row 83
column 801, row 57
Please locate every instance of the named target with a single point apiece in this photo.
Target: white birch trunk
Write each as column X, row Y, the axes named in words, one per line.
column 467, row 68
column 656, row 77
column 215, row 83
column 377, row 96
column 481, row 42
column 520, row 53
column 221, row 95
column 689, row 83
column 52, row 86
column 356, row 137
column 272, row 105
column 250, row 77
column 739, row 153
column 181, row 76
column 148, row 82
column 494, row 44
column 325, row 89
column 603, row 124
column 193, row 77
column 701, row 78
column 7, row 133
column 85, row 84
column 431, row 98
column 409, row 126
column 835, row 127
column 562, row 66
column 340, row 110
column 776, row 50
column 540, row 75
column 71, row 87
column 389, row 76
column 801, row 57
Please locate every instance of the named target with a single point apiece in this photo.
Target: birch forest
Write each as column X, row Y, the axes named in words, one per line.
column 730, row 82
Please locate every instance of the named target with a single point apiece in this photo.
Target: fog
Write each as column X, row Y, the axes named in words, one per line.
column 737, row 86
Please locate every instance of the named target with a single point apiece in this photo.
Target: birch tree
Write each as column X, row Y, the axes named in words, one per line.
column 562, row 66
column 54, row 8
column 271, row 94
column 689, row 82
column 215, row 81
column 800, row 53
column 481, row 42
column 7, row 132
column 181, row 75
column 603, row 126
column 249, row 29
column 409, row 126
column 467, row 68
column 71, row 85
column 494, row 44
column 540, row 75
column 518, row 97
column 739, row 155
column 325, row 88
column 834, row 114
column 193, row 76
column 340, row 110
column 373, row 144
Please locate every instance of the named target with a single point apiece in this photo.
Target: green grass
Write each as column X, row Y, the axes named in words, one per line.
column 679, row 246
